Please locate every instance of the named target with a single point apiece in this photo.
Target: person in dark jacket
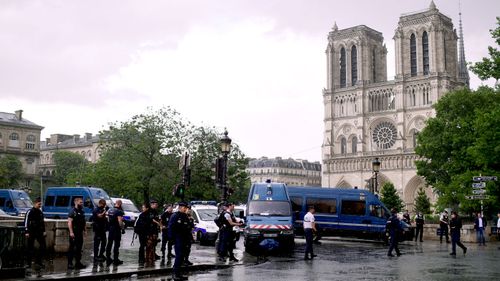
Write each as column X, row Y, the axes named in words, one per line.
column 76, row 227
column 455, row 226
column 100, row 224
column 34, row 225
column 480, row 226
column 155, row 215
column 394, row 227
column 166, row 243
column 116, row 229
column 227, row 234
column 143, row 228
column 189, row 241
column 419, row 226
column 443, row 225
column 178, row 230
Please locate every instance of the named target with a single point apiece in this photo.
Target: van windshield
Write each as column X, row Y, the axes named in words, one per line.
column 130, row 208
column 269, row 208
column 22, row 203
column 207, row 214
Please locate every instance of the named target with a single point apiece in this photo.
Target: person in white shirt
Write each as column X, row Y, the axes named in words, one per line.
column 309, row 227
column 479, row 226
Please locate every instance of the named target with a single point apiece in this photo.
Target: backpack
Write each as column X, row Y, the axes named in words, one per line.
column 140, row 225
column 219, row 220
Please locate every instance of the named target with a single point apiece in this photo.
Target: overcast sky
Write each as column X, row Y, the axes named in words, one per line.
column 256, row 67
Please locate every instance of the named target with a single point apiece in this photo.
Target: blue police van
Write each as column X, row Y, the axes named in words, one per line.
column 269, row 222
column 59, row 200
column 15, row 202
column 342, row 212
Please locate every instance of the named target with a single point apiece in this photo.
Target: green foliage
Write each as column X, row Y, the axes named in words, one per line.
column 389, row 196
column 462, row 141
column 490, row 67
column 422, row 202
column 11, row 171
column 69, row 167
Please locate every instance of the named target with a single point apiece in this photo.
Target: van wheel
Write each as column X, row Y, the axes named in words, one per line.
column 198, row 237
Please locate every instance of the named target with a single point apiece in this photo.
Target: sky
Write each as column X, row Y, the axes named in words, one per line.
column 255, row 67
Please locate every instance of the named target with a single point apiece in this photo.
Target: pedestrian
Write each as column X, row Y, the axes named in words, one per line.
column 34, row 226
column 455, row 226
column 406, row 217
column 479, row 226
column 443, row 225
column 155, row 216
column 142, row 228
column 309, row 225
column 394, row 227
column 419, row 226
column 178, row 230
column 166, row 242
column 227, row 234
column 76, row 227
column 116, row 229
column 100, row 225
column 189, row 241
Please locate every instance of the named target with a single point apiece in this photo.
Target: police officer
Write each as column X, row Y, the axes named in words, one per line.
column 443, row 225
column 189, row 241
column 34, row 225
column 152, row 236
column 76, row 227
column 165, row 218
column 309, row 227
column 455, row 226
column 155, row 216
column 227, row 234
column 100, row 224
column 116, row 228
column 419, row 223
column 178, row 229
column 394, row 226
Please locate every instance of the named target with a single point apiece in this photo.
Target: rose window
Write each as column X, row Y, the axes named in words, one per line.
column 384, row 135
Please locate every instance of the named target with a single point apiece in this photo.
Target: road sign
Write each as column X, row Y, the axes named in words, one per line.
column 479, row 191
column 485, row 178
column 477, row 197
column 478, row 185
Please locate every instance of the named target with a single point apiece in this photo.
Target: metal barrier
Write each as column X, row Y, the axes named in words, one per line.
column 12, row 247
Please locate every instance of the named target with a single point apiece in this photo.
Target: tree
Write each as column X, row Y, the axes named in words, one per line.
column 69, row 167
column 389, row 196
column 11, row 171
column 490, row 67
column 422, row 202
column 462, row 141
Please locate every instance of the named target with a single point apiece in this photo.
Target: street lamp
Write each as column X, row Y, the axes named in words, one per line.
column 225, row 145
column 376, row 170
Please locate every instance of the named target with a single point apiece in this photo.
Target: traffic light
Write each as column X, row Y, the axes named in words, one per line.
column 179, row 190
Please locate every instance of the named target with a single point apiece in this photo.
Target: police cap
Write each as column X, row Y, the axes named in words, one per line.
column 152, row 201
column 183, row 204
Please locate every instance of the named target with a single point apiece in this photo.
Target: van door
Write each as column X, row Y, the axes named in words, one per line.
column 353, row 216
column 297, row 212
column 379, row 217
column 326, row 215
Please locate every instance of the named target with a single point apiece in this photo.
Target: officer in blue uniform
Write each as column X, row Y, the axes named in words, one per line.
column 178, row 229
column 116, row 228
column 394, row 226
column 100, row 225
column 76, row 227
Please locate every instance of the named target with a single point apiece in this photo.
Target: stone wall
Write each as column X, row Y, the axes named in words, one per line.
column 468, row 233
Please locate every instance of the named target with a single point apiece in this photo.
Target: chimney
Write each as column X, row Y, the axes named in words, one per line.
column 19, row 114
column 88, row 136
column 76, row 138
column 47, row 141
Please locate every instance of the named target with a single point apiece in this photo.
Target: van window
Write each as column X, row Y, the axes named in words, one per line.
column 62, row 201
column 378, row 211
column 88, row 203
column 2, row 201
column 322, row 205
column 195, row 217
column 353, row 207
column 49, row 200
column 296, row 203
column 74, row 197
column 22, row 203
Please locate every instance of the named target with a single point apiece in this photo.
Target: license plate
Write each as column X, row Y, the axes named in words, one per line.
column 271, row 235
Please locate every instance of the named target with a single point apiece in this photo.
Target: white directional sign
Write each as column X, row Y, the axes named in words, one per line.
column 485, row 178
column 479, row 191
column 478, row 185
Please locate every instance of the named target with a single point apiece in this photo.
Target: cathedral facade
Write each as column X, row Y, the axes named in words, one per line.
column 368, row 117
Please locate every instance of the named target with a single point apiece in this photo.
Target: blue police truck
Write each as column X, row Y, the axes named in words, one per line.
column 343, row 212
column 59, row 200
column 15, row 202
column 268, row 218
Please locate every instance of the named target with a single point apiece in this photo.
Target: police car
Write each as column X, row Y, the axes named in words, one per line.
column 130, row 210
column 205, row 230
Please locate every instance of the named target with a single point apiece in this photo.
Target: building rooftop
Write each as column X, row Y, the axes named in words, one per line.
column 16, row 119
column 265, row 162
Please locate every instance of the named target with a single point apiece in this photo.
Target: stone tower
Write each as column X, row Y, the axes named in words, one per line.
column 367, row 116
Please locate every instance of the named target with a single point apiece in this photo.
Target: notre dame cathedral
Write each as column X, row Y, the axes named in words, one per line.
column 368, row 117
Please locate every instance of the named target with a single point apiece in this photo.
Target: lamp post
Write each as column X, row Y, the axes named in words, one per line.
column 376, row 170
column 225, row 145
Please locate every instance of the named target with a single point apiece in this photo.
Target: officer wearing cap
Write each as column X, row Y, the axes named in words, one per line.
column 189, row 241
column 156, row 224
column 179, row 232
column 394, row 226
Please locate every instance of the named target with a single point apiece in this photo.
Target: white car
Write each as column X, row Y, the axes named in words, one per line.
column 205, row 230
column 130, row 210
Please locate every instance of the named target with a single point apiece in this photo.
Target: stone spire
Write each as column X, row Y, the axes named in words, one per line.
column 463, row 73
column 335, row 27
column 432, row 6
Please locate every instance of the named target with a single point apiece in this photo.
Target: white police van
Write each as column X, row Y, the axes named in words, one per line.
column 205, row 230
column 130, row 210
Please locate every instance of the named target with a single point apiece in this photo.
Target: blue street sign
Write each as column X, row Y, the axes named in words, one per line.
column 478, row 185
column 479, row 191
column 485, row 178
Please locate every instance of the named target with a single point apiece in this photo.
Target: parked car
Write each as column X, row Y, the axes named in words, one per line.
column 130, row 210
column 205, row 230
column 15, row 202
column 59, row 200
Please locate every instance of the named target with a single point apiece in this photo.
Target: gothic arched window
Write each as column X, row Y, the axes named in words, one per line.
column 414, row 136
column 354, row 145
column 354, row 65
column 342, row 68
column 343, row 146
column 413, row 55
column 425, row 52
